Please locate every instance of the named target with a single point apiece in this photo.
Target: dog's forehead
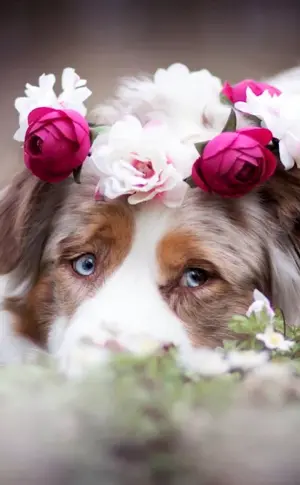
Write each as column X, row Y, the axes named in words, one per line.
column 209, row 218
column 199, row 211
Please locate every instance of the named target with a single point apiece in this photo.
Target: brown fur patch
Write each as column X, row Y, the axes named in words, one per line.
column 34, row 314
column 26, row 213
column 107, row 233
column 182, row 249
column 207, row 309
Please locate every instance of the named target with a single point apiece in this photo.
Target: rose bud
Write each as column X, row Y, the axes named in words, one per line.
column 233, row 163
column 57, row 142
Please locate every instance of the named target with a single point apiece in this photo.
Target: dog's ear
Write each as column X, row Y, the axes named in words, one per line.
column 280, row 198
column 281, row 194
column 27, row 208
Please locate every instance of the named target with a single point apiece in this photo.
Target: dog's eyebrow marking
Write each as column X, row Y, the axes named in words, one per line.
column 177, row 249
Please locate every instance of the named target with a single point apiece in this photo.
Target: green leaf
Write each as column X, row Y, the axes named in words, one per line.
column 96, row 130
column 252, row 325
column 231, row 122
column 200, row 146
column 225, row 100
column 230, row 345
column 294, row 333
column 243, row 325
column 253, row 119
column 295, row 350
column 239, row 324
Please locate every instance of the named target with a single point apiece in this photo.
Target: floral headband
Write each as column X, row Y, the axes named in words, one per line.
column 164, row 154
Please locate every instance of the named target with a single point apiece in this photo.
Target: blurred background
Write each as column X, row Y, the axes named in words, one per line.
column 106, row 39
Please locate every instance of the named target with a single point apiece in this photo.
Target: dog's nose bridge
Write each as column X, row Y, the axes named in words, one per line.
column 122, row 296
column 132, row 303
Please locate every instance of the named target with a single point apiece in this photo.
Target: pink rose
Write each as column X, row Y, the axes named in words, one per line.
column 233, row 163
column 56, row 142
column 237, row 92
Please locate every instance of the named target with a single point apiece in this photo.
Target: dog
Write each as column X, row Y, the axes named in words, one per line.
column 68, row 262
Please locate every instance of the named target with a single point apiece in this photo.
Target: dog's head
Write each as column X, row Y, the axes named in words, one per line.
column 73, row 262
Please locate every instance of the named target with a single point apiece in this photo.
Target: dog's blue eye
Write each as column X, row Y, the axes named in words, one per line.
column 193, row 277
column 84, row 265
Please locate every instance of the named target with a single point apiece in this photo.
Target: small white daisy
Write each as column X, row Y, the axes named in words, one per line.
column 274, row 340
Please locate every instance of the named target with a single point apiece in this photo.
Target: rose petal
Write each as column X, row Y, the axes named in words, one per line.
column 262, row 135
column 227, row 91
column 226, row 161
column 77, row 118
column 246, row 156
column 66, row 128
column 53, row 130
column 40, row 168
column 269, row 166
column 38, row 113
column 197, row 176
column 49, row 117
column 247, row 173
column 251, row 151
column 218, row 144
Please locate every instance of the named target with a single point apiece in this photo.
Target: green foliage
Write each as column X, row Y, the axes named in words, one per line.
column 96, row 130
column 246, row 329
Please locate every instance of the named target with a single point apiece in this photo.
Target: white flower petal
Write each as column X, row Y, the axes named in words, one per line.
column 46, row 82
column 73, row 96
column 274, row 340
column 69, row 79
column 139, row 197
column 176, row 72
column 291, row 141
column 128, row 147
column 259, row 296
column 20, row 133
column 281, row 115
column 31, row 91
column 243, row 107
column 124, row 135
column 255, row 307
column 260, row 303
column 285, row 157
column 80, row 83
column 183, row 157
column 22, row 105
column 175, row 197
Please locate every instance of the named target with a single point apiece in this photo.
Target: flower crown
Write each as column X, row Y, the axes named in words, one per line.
column 162, row 153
